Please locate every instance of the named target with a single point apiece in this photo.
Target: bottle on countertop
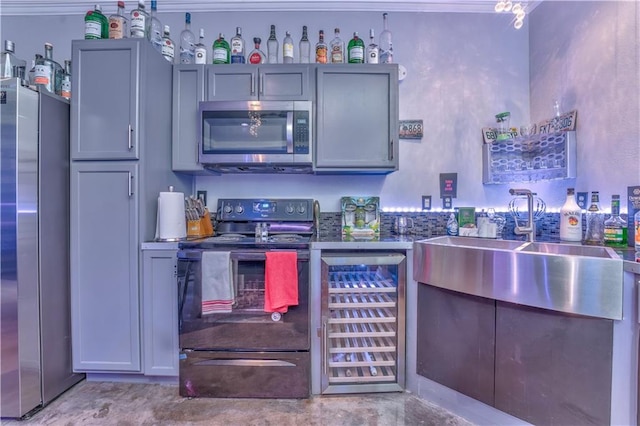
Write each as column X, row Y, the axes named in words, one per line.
column 221, row 50
column 11, row 65
column 168, row 47
column 118, row 23
column 594, row 235
column 287, row 48
column 336, row 47
column 571, row 219
column 257, row 56
column 386, row 45
column 201, row 50
column 305, row 47
column 272, row 46
column 372, row 49
column 237, row 47
column 187, row 42
column 154, row 28
column 355, row 50
column 615, row 228
column 96, row 25
column 138, row 21
column 452, row 225
column 321, row 49
column 48, row 73
column 65, row 87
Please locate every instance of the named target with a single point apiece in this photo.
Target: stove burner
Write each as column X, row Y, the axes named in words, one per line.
column 286, row 238
column 228, row 237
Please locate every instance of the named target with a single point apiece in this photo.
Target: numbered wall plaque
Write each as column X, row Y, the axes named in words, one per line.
column 411, row 129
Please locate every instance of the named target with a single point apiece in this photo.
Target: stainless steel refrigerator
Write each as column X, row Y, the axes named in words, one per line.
column 34, row 263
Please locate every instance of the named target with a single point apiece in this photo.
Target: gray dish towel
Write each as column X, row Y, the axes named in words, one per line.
column 217, row 284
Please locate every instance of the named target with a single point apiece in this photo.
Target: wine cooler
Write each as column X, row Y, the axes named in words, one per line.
column 362, row 334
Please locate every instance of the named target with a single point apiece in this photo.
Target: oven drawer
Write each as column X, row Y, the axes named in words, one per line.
column 244, row 374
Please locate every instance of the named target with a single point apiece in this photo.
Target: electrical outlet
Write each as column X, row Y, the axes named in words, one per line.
column 426, row 202
column 202, row 195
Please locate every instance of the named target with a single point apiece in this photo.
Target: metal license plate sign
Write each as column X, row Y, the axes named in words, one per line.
column 564, row 122
column 411, row 129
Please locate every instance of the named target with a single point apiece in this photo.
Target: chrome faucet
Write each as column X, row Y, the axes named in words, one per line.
column 530, row 229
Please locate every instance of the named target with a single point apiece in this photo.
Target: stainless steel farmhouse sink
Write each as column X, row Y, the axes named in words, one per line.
column 584, row 280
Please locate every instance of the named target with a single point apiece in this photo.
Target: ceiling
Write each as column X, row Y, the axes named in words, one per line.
column 79, row 7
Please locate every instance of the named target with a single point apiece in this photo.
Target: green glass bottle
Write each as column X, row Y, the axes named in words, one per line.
column 96, row 25
column 221, row 51
column 355, row 50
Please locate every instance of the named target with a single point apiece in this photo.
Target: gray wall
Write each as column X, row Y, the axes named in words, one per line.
column 462, row 70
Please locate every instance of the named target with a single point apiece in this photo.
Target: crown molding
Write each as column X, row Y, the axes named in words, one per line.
column 76, row 7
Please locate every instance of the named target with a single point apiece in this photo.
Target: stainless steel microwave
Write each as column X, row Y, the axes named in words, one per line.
column 256, row 136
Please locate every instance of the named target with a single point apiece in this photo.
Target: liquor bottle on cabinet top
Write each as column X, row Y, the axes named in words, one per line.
column 237, row 47
column 594, row 235
column 65, row 86
column 257, row 56
column 221, row 50
column 154, row 28
column 32, row 71
column 305, row 47
column 355, row 50
column 96, row 25
column 48, row 73
column 615, row 228
column 372, row 49
column 138, row 21
column 272, row 46
column 201, row 50
column 321, row 49
column 337, row 48
column 187, row 42
column 287, row 48
column 386, row 46
column 11, row 66
column 571, row 219
column 168, row 47
column 118, row 23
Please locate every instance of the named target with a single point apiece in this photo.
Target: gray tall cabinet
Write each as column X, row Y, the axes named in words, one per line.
column 120, row 161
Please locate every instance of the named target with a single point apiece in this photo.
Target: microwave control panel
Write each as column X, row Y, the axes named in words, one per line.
column 301, row 132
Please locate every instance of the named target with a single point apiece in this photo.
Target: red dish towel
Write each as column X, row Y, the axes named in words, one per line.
column 280, row 281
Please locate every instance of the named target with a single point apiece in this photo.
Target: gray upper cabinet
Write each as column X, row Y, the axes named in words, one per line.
column 188, row 92
column 238, row 82
column 106, row 108
column 357, row 118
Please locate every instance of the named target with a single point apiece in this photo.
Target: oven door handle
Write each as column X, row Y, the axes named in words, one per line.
column 261, row 255
column 245, row 363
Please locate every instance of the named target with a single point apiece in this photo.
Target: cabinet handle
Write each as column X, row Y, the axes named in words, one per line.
column 324, row 347
column 129, row 134
column 391, row 150
column 261, row 84
column 130, row 184
column 253, row 84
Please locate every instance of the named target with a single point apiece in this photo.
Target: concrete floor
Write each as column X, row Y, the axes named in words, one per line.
column 123, row 404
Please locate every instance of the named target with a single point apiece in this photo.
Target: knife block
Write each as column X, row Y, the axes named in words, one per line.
column 200, row 228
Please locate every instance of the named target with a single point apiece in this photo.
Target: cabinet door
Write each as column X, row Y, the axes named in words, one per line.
column 104, row 266
column 160, row 312
column 284, row 83
column 188, row 91
column 104, row 105
column 357, row 118
column 235, row 82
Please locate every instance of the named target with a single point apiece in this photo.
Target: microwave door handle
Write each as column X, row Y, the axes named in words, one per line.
column 290, row 132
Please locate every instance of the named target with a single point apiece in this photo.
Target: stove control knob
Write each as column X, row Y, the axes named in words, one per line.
column 227, row 209
column 302, row 209
column 239, row 209
column 289, row 209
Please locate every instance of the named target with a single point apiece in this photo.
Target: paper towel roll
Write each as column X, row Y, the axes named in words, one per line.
column 171, row 224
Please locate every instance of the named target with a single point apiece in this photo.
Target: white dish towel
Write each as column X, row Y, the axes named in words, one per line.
column 217, row 284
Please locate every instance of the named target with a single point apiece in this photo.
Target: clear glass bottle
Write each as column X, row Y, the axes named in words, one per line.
column 571, row 218
column 11, row 65
column 221, row 51
column 138, row 21
column 237, row 47
column 287, row 48
column 304, row 47
column 452, row 225
column 337, row 48
column 201, row 50
column 321, row 49
column 594, row 235
column 168, row 46
column 118, row 23
column 355, row 50
column 373, row 53
column 187, row 42
column 65, row 86
column 386, row 45
column 257, row 56
column 96, row 25
column 272, row 46
column 32, row 71
column 48, row 73
column 615, row 228
column 154, row 29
